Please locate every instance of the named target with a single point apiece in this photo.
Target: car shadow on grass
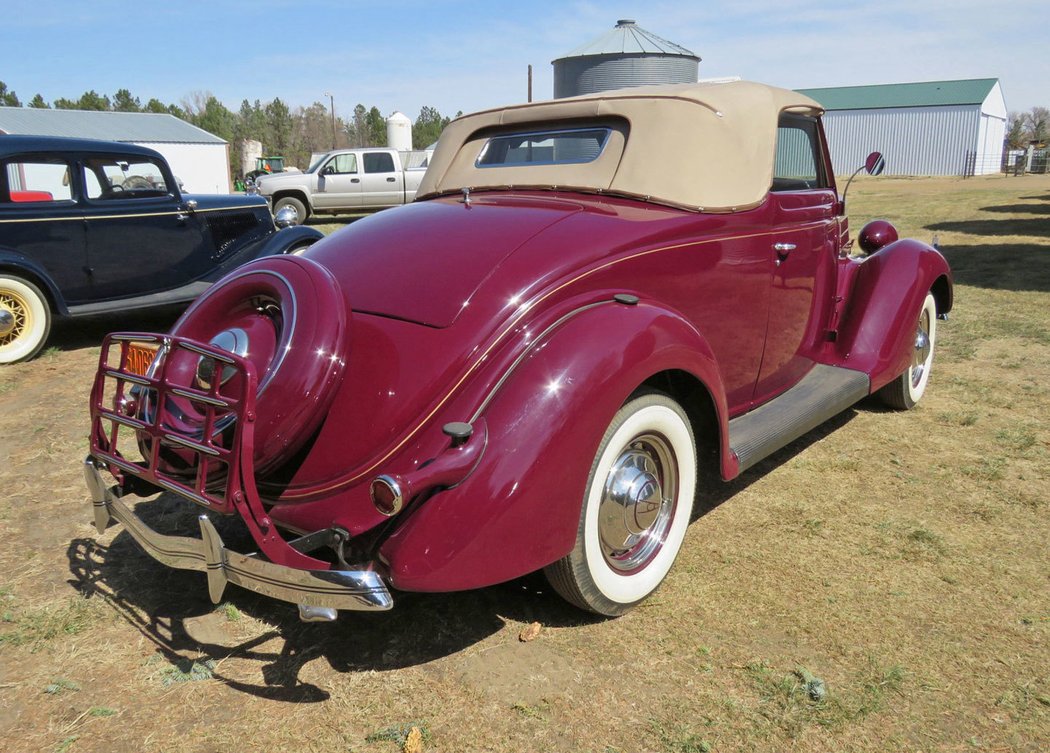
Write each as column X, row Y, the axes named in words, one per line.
column 161, row 603
column 88, row 331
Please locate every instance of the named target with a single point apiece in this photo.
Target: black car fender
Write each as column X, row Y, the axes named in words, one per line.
column 18, row 265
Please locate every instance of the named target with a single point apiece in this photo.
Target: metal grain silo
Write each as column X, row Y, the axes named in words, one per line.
column 626, row 56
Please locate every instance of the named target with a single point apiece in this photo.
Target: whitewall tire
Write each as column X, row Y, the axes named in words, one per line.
column 907, row 389
column 636, row 508
column 25, row 319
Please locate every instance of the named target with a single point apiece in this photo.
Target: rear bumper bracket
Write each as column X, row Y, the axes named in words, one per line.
column 357, row 590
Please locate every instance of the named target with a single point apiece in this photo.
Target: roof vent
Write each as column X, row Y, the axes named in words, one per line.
column 625, row 22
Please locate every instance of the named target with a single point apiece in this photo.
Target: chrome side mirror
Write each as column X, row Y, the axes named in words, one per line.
column 873, row 165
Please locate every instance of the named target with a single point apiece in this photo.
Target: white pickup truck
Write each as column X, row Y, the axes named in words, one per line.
column 346, row 181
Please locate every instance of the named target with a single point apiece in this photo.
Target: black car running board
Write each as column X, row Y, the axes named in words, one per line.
column 185, row 294
column 824, row 392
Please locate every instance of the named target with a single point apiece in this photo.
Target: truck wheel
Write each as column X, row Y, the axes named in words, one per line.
column 294, row 204
column 906, row 390
column 636, row 509
column 25, row 319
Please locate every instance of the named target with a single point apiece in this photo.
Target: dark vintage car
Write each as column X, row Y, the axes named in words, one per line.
column 593, row 303
column 88, row 227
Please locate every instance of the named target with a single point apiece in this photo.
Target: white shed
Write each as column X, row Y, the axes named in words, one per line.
column 199, row 160
column 924, row 128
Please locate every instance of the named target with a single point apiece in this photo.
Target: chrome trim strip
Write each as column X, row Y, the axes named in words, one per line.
column 182, row 491
column 203, row 352
column 130, row 215
column 136, row 338
column 200, row 398
column 127, row 377
column 190, row 444
column 360, row 590
column 527, row 351
column 131, row 423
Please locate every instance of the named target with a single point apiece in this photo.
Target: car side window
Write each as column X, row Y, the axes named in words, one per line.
column 37, row 180
column 798, row 161
column 343, row 164
column 378, row 162
column 123, row 178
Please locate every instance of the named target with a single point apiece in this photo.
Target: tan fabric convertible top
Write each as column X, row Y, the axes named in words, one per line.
column 705, row 147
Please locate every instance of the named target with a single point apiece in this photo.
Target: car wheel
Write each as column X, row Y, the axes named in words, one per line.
column 636, row 508
column 906, row 390
column 25, row 319
column 294, row 204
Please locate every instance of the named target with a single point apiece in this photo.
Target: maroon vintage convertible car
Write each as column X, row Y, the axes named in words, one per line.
column 593, row 301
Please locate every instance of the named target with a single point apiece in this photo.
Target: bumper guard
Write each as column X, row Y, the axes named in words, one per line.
column 315, row 591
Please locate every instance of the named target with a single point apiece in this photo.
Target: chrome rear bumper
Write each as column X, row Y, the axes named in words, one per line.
column 312, row 590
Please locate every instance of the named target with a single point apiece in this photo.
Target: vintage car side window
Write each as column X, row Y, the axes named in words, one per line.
column 569, row 146
column 37, row 181
column 378, row 162
column 342, row 164
column 119, row 178
column 798, row 164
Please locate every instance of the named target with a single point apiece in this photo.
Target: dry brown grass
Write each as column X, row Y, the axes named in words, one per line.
column 900, row 558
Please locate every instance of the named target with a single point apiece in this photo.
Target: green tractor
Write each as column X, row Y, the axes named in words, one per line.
column 266, row 166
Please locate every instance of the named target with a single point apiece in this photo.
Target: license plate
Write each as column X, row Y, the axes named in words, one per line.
column 140, row 357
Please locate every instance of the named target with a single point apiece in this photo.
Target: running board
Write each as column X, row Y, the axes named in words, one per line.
column 824, row 392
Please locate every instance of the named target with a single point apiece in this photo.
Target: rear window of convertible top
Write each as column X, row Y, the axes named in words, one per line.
column 554, row 147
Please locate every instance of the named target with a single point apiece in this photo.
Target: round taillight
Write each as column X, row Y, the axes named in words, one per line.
column 386, row 495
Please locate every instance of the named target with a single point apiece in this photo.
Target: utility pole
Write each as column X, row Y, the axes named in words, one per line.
column 331, row 98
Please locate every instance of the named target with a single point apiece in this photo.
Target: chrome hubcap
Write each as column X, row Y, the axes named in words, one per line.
column 7, row 322
column 923, row 348
column 637, row 503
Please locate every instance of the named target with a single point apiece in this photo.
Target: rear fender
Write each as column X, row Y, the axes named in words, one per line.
column 519, row 510
column 878, row 329
column 19, row 265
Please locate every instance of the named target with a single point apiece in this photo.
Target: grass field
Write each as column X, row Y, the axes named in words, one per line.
column 883, row 584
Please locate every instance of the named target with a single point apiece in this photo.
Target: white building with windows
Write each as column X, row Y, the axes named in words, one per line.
column 924, row 128
column 198, row 159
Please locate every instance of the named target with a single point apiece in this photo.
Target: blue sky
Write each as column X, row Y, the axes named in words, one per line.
column 470, row 55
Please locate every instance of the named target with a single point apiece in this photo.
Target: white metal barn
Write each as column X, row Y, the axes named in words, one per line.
column 199, row 160
column 925, row 128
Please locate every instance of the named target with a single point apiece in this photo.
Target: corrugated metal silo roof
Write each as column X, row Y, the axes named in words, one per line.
column 627, row 38
column 137, row 127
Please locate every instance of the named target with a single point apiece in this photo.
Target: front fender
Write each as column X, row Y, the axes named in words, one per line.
column 14, row 263
column 286, row 239
column 519, row 510
column 878, row 330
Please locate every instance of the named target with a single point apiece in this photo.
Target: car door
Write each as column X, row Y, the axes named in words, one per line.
column 384, row 183
column 41, row 220
column 801, row 251
column 141, row 237
column 339, row 183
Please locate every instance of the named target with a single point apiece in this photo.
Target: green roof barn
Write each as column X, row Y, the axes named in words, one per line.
column 922, row 128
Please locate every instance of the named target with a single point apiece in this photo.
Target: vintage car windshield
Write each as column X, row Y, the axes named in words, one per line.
column 562, row 147
column 123, row 178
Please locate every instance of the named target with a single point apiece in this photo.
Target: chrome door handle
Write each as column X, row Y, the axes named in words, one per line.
column 783, row 248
